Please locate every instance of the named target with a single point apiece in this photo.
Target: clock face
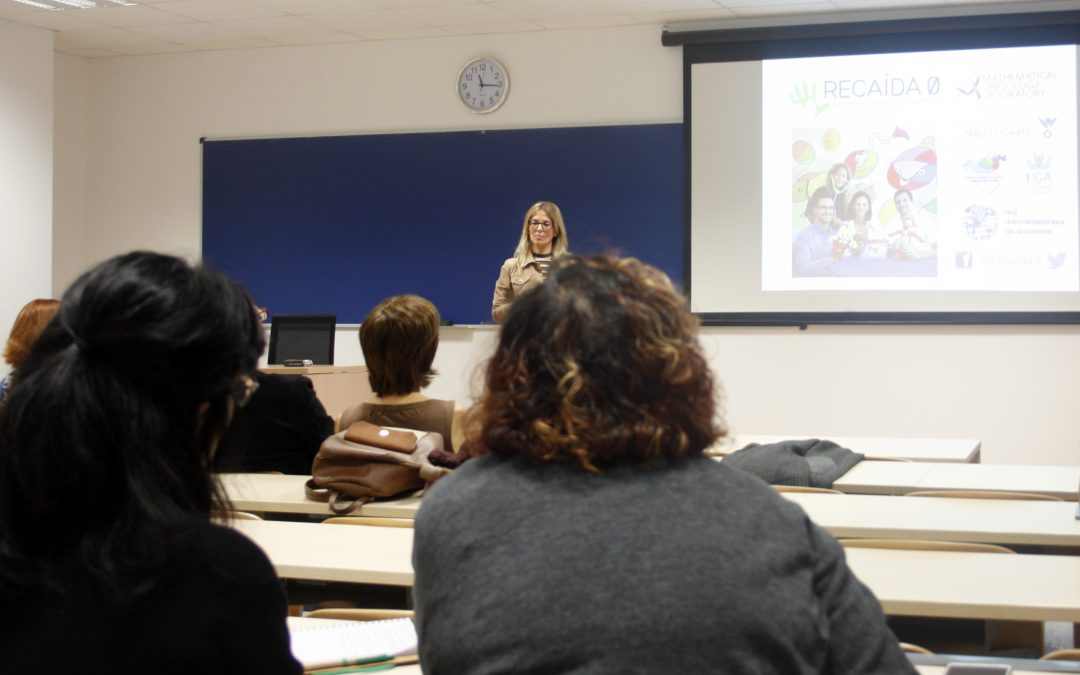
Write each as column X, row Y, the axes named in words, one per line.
column 483, row 85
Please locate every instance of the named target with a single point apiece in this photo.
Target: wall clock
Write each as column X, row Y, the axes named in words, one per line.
column 483, row 85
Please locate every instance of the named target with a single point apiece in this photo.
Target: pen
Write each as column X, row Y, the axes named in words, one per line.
column 371, row 665
column 361, row 669
column 351, row 666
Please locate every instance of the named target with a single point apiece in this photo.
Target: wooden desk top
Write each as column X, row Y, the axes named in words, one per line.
column 414, row 669
column 922, row 583
column 276, row 493
column 1058, row 481
column 993, row 521
column 883, row 478
column 971, row 585
column 349, row 553
column 1029, row 667
column 962, row 450
column 870, row 477
column 850, row 515
column 923, row 670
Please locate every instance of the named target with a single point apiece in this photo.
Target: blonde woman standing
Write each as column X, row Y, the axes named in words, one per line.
column 543, row 240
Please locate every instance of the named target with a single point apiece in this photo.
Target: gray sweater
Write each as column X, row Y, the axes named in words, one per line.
column 686, row 567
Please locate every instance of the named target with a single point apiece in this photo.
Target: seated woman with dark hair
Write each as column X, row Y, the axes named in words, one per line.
column 280, row 430
column 399, row 339
column 591, row 535
column 108, row 559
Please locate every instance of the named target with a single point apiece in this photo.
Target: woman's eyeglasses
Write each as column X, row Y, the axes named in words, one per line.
column 540, row 225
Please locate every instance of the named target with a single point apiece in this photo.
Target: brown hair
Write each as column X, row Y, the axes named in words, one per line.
column 28, row 325
column 598, row 365
column 399, row 338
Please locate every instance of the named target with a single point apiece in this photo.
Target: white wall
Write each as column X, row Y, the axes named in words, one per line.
column 26, row 167
column 1013, row 388
column 147, row 113
column 69, row 176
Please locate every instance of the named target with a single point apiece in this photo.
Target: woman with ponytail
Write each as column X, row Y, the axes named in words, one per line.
column 108, row 559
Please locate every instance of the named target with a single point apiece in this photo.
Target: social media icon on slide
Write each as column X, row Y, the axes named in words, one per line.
column 964, row 260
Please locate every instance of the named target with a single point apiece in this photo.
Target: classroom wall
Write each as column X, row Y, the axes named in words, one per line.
column 1012, row 387
column 147, row 113
column 69, row 175
column 26, row 167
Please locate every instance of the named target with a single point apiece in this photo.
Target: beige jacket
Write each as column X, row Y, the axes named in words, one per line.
column 512, row 283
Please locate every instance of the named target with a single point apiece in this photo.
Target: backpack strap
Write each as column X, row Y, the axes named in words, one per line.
column 341, row 505
column 316, row 493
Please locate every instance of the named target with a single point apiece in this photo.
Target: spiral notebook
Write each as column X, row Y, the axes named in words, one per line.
column 328, row 643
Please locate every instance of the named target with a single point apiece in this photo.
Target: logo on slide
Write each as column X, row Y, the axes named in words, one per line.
column 1039, row 177
column 1055, row 260
column 980, row 222
column 984, row 165
column 1048, row 123
column 1039, row 161
column 982, row 173
column 964, row 260
column 806, row 94
column 973, row 90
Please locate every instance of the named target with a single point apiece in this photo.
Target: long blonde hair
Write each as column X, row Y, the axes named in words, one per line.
column 559, row 244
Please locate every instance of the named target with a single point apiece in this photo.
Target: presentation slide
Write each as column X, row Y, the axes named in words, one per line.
column 907, row 182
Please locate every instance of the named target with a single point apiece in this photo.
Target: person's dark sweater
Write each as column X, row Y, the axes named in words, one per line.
column 688, row 567
column 280, row 429
column 217, row 607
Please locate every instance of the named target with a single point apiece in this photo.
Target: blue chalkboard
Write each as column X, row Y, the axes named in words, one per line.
column 335, row 224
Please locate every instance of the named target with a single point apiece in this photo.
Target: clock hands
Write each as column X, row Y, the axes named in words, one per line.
column 483, row 84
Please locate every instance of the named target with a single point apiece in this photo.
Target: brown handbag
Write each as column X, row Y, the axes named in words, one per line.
column 381, row 437
column 348, row 474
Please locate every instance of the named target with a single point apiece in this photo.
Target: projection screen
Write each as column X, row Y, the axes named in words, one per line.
column 914, row 171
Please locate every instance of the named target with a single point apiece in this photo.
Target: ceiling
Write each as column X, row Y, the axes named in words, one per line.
column 167, row 26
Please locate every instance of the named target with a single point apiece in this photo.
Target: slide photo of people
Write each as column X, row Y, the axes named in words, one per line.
column 863, row 204
column 921, row 171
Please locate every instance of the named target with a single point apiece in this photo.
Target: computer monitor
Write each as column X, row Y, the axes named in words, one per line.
column 302, row 336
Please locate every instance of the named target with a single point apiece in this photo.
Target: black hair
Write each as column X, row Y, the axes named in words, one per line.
column 106, row 445
column 811, row 204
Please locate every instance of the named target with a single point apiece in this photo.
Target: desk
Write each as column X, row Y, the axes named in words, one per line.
column 923, row 670
column 992, row 521
column 1058, row 481
column 897, row 478
column 918, row 583
column 338, row 387
column 971, row 585
column 962, row 450
column 356, row 554
column 934, row 664
column 275, row 493
column 869, row 477
column 1058, row 666
column 851, row 515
